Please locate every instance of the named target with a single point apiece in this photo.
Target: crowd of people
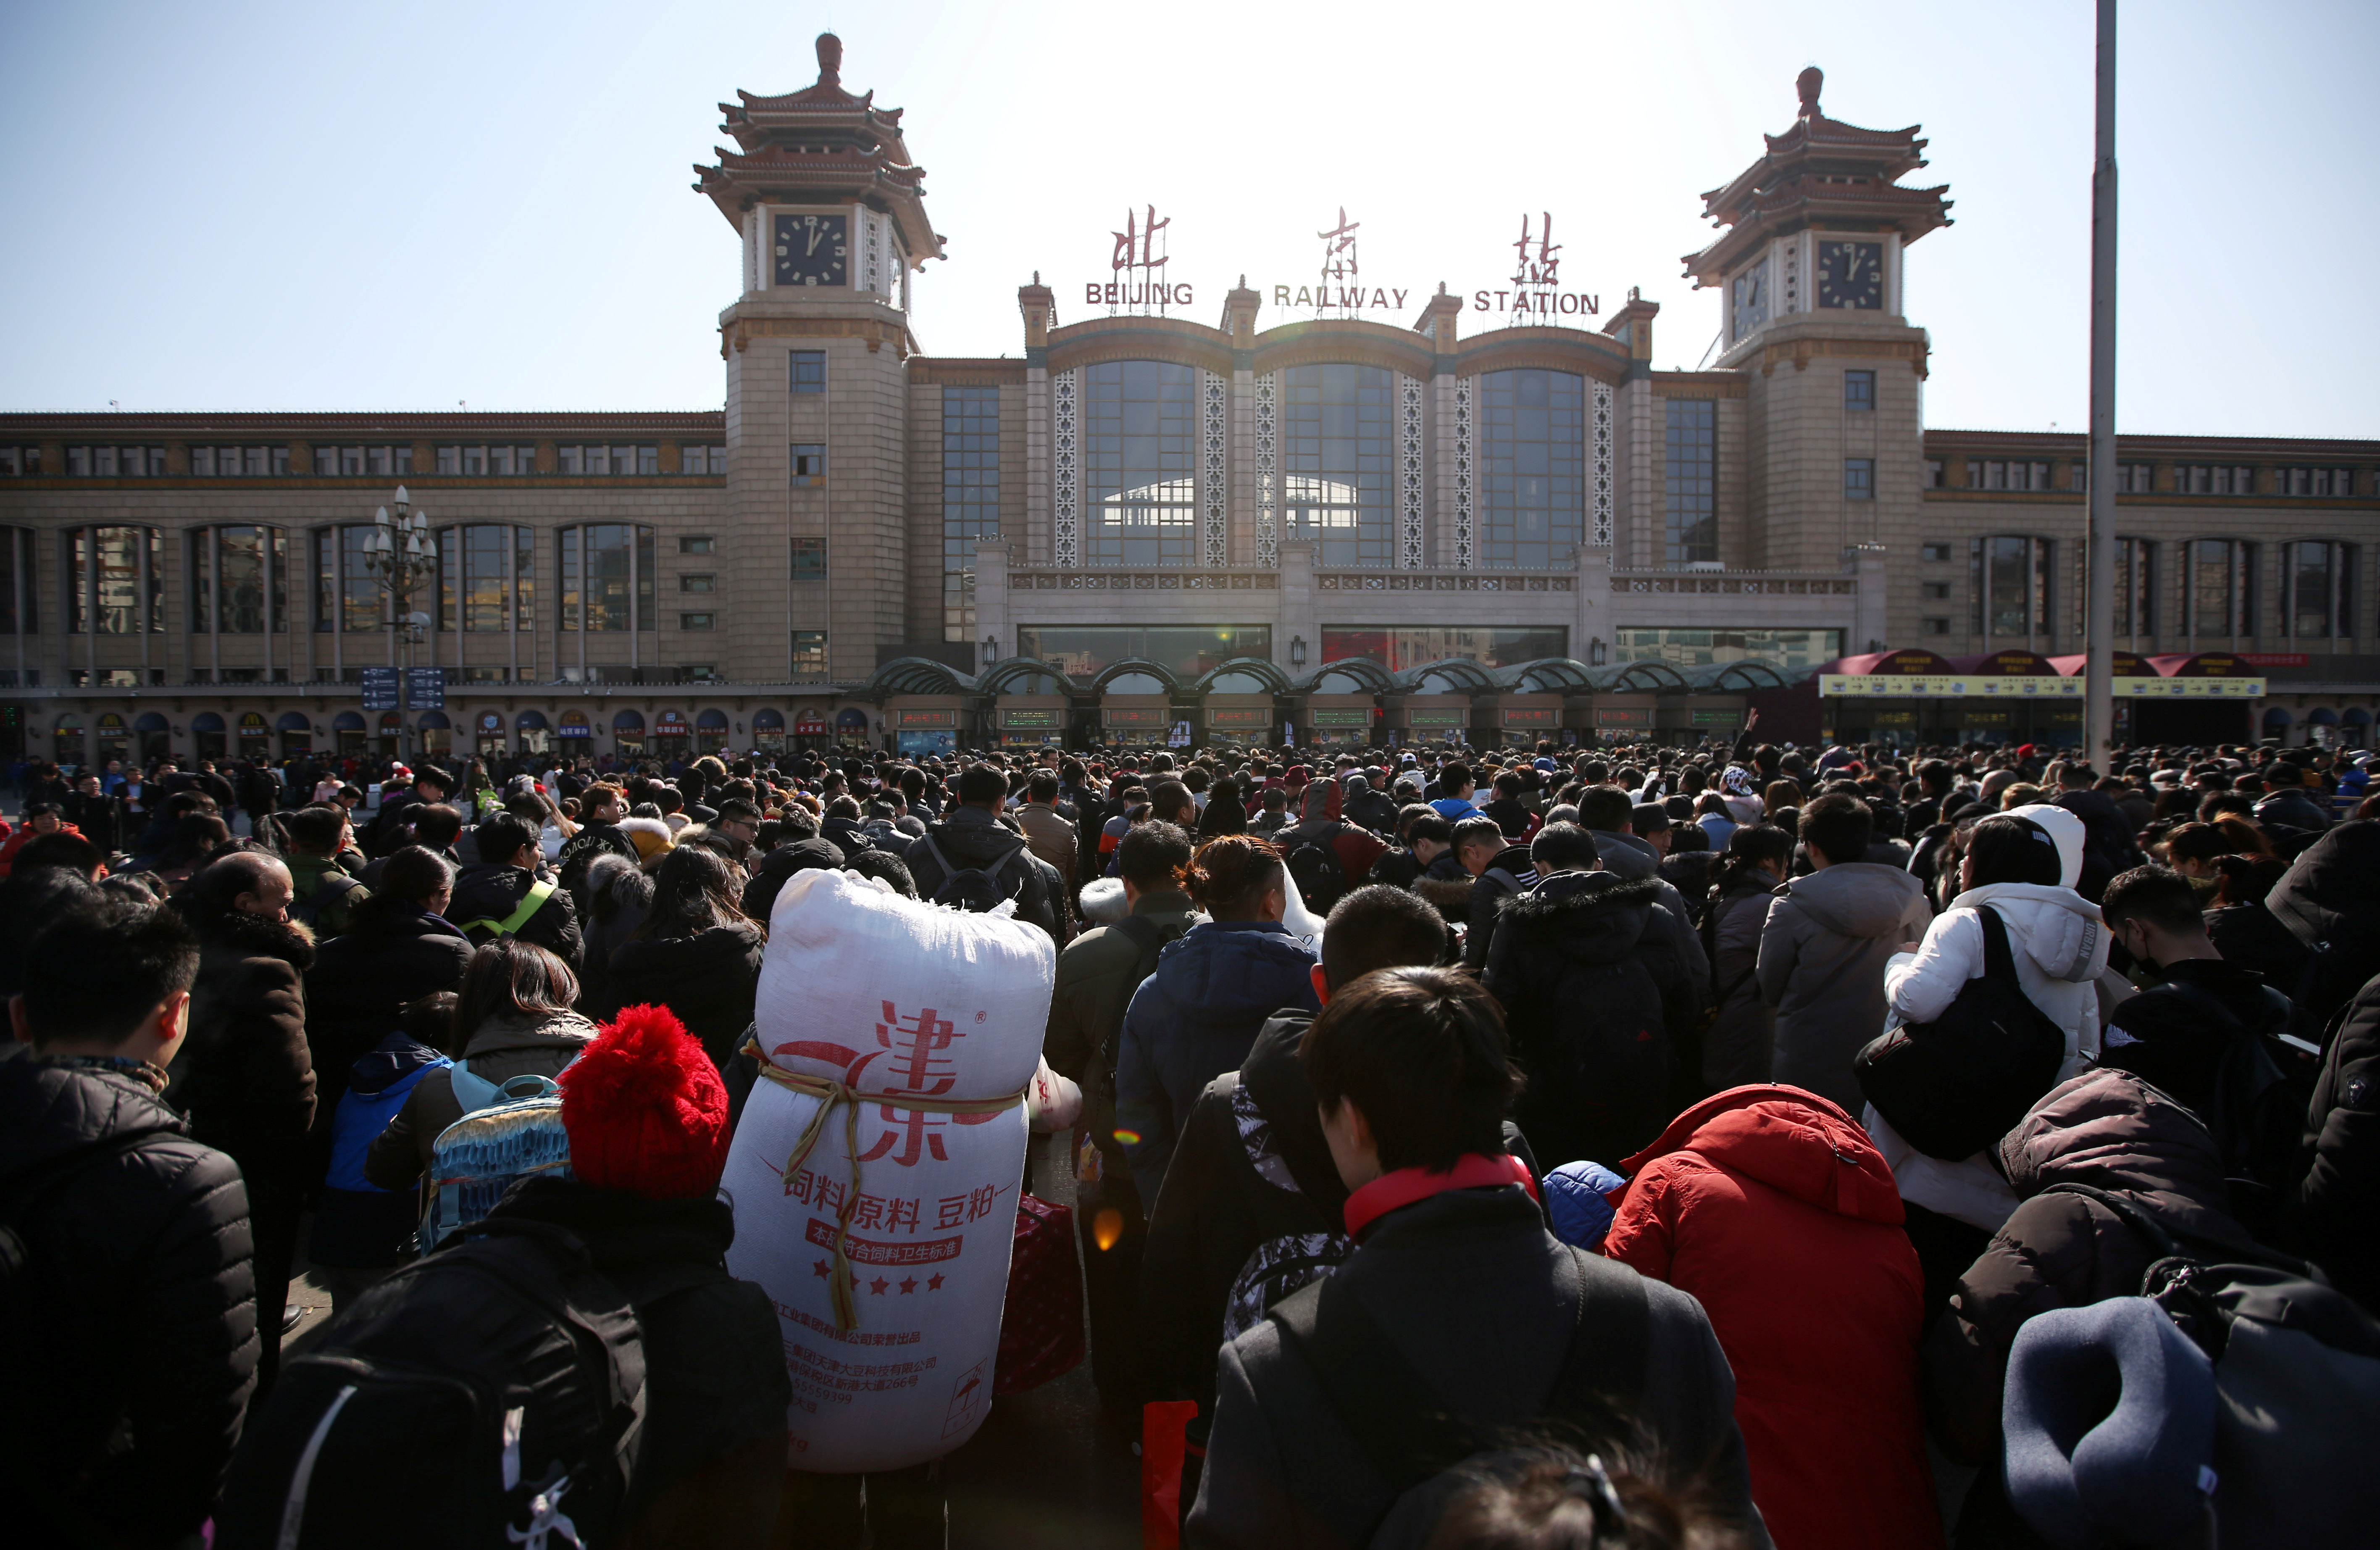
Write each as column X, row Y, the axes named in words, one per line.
column 1548, row 1146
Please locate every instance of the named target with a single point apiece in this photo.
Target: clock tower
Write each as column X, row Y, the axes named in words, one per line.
column 831, row 213
column 1809, row 267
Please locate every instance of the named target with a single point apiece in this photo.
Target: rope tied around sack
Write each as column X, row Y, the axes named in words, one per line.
column 851, row 1100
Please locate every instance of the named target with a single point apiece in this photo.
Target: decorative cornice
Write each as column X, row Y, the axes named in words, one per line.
column 736, row 336
column 1804, row 351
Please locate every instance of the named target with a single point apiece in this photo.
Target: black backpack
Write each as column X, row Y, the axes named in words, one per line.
column 1598, row 1052
column 2297, row 1378
column 488, row 1394
column 976, row 890
column 1953, row 1086
column 334, row 883
column 1321, row 877
column 1406, row 1431
column 2264, row 1087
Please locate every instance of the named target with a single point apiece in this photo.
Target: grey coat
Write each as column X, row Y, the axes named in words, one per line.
column 1481, row 1300
column 1740, row 1045
column 1822, row 958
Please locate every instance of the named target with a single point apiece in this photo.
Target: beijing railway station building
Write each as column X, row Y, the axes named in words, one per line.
column 1321, row 511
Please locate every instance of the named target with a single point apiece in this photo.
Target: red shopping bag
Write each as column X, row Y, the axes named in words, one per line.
column 1164, row 1449
column 1042, row 1325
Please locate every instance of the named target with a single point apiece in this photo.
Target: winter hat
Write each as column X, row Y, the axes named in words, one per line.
column 1577, row 1198
column 2064, row 830
column 2110, row 1414
column 645, row 1109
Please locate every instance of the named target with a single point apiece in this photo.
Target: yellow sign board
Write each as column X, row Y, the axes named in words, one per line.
column 1991, row 686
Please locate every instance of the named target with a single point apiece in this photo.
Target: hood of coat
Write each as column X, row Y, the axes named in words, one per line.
column 720, row 951
column 1625, row 855
column 620, row 1229
column 246, row 935
column 1596, row 917
column 553, row 1031
column 1234, row 972
column 1789, row 1139
column 2335, row 877
column 1858, row 899
column 2109, row 1128
column 390, row 1062
column 1275, row 1078
column 49, row 1107
column 2066, row 830
column 2057, row 928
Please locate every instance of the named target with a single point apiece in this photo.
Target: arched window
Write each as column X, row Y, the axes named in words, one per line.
column 1532, row 468
column 2317, row 589
column 240, row 581
column 607, row 576
column 486, row 575
column 1337, row 459
column 2012, row 579
column 116, row 581
column 1139, row 489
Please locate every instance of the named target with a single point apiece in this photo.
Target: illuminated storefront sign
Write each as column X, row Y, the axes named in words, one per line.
column 1986, row 686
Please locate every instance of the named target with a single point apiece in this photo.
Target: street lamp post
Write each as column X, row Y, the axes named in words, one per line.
column 402, row 557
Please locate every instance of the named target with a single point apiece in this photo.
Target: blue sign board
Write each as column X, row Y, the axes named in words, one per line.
column 425, row 688
column 380, row 688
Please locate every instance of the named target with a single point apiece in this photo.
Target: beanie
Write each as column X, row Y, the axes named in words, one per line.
column 645, row 1109
column 2110, row 1414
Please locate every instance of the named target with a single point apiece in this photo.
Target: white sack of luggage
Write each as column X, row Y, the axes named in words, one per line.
column 887, row 1271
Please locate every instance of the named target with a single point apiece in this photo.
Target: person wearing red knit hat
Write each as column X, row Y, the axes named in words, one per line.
column 648, row 1122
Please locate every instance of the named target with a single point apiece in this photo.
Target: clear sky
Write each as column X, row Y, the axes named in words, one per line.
column 293, row 205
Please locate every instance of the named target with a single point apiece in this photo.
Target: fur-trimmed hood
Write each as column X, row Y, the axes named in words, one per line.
column 651, row 837
column 257, row 937
column 1451, row 895
column 1594, row 916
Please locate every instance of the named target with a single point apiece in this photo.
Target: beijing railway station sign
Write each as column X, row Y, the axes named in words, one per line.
column 1140, row 260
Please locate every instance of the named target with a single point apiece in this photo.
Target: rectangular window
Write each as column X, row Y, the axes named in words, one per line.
column 701, row 459
column 649, row 459
column 2212, row 479
column 569, row 458
column 2134, row 592
column 612, row 583
column 1336, row 461
column 807, row 371
column 1934, row 551
column 809, row 655
column 696, row 544
column 2003, row 474
column 1691, row 476
column 807, row 460
column 2135, row 478
column 694, row 621
column 698, row 583
column 1532, row 468
column 1187, row 650
column 1400, row 648
column 1933, row 473
column 1937, row 627
column 1859, row 479
column 1788, row 651
column 1859, row 391
column 2333, row 482
column 1934, row 589
column 2013, row 579
column 116, row 578
column 1139, row 493
column 809, row 559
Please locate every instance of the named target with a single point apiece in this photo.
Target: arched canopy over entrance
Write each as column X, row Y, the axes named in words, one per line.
column 1449, row 675
column 1137, row 675
column 918, row 675
column 1348, row 675
column 1243, row 675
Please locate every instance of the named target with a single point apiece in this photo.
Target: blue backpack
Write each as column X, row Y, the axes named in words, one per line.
column 358, row 1223
column 506, row 1133
column 360, row 1118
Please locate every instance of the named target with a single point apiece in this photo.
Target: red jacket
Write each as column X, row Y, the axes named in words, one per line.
column 1772, row 1208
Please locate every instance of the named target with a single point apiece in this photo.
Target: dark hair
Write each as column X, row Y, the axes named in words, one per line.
column 1230, row 875
column 315, row 828
column 2197, row 842
column 602, row 794
column 795, row 822
column 1565, row 847
column 1421, row 1053
column 982, row 786
column 436, row 776
column 2161, row 896
column 60, row 849
column 1606, row 808
column 1380, row 926
column 1750, row 844
column 872, row 862
column 409, row 878
column 2006, row 848
column 196, row 835
column 1429, row 825
column 1042, row 786
column 693, row 890
column 1168, row 798
column 435, row 824
column 510, row 978
column 502, row 837
column 1477, row 830
column 101, row 966
column 1454, row 777
column 428, row 1019
column 1575, row 1494
column 736, row 809
column 1840, row 825
column 2243, row 877
column 1154, row 856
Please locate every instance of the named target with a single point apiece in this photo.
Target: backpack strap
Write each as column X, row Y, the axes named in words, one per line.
column 531, row 902
column 471, row 1090
column 1605, row 1367
column 1999, row 963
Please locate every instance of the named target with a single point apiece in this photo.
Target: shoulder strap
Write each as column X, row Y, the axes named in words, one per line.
column 1399, row 1424
column 949, row 871
column 534, row 899
column 471, row 1090
column 1605, row 1367
column 1998, row 962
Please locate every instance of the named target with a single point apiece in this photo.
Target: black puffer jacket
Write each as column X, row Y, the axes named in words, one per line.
column 356, row 987
column 616, row 893
column 244, row 1075
column 1600, row 1000
column 2330, row 900
column 1508, row 875
column 716, row 1390
column 708, row 980
column 152, row 1317
column 972, row 838
column 2338, row 1203
column 494, row 890
column 777, row 868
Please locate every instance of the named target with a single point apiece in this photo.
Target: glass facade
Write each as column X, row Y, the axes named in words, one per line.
column 116, row 579
column 1787, row 651
column 970, row 497
column 1337, row 459
column 1139, row 441
column 1693, row 491
column 607, row 576
column 17, row 589
column 2219, row 590
column 1533, row 469
column 487, row 578
column 2319, row 576
column 2011, row 583
column 229, row 569
column 1187, row 650
column 347, row 595
column 1398, row 648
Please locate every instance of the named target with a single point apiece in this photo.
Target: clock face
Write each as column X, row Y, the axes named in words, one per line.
column 1850, row 274
column 812, row 251
column 1751, row 299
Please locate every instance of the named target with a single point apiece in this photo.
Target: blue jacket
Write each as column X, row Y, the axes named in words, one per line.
column 1194, row 1020
column 356, row 1223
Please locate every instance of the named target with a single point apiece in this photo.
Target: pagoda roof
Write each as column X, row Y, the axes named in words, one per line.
column 820, row 145
column 1820, row 170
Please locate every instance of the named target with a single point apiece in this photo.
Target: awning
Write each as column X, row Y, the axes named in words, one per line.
column 346, row 721
column 711, row 721
column 294, row 721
